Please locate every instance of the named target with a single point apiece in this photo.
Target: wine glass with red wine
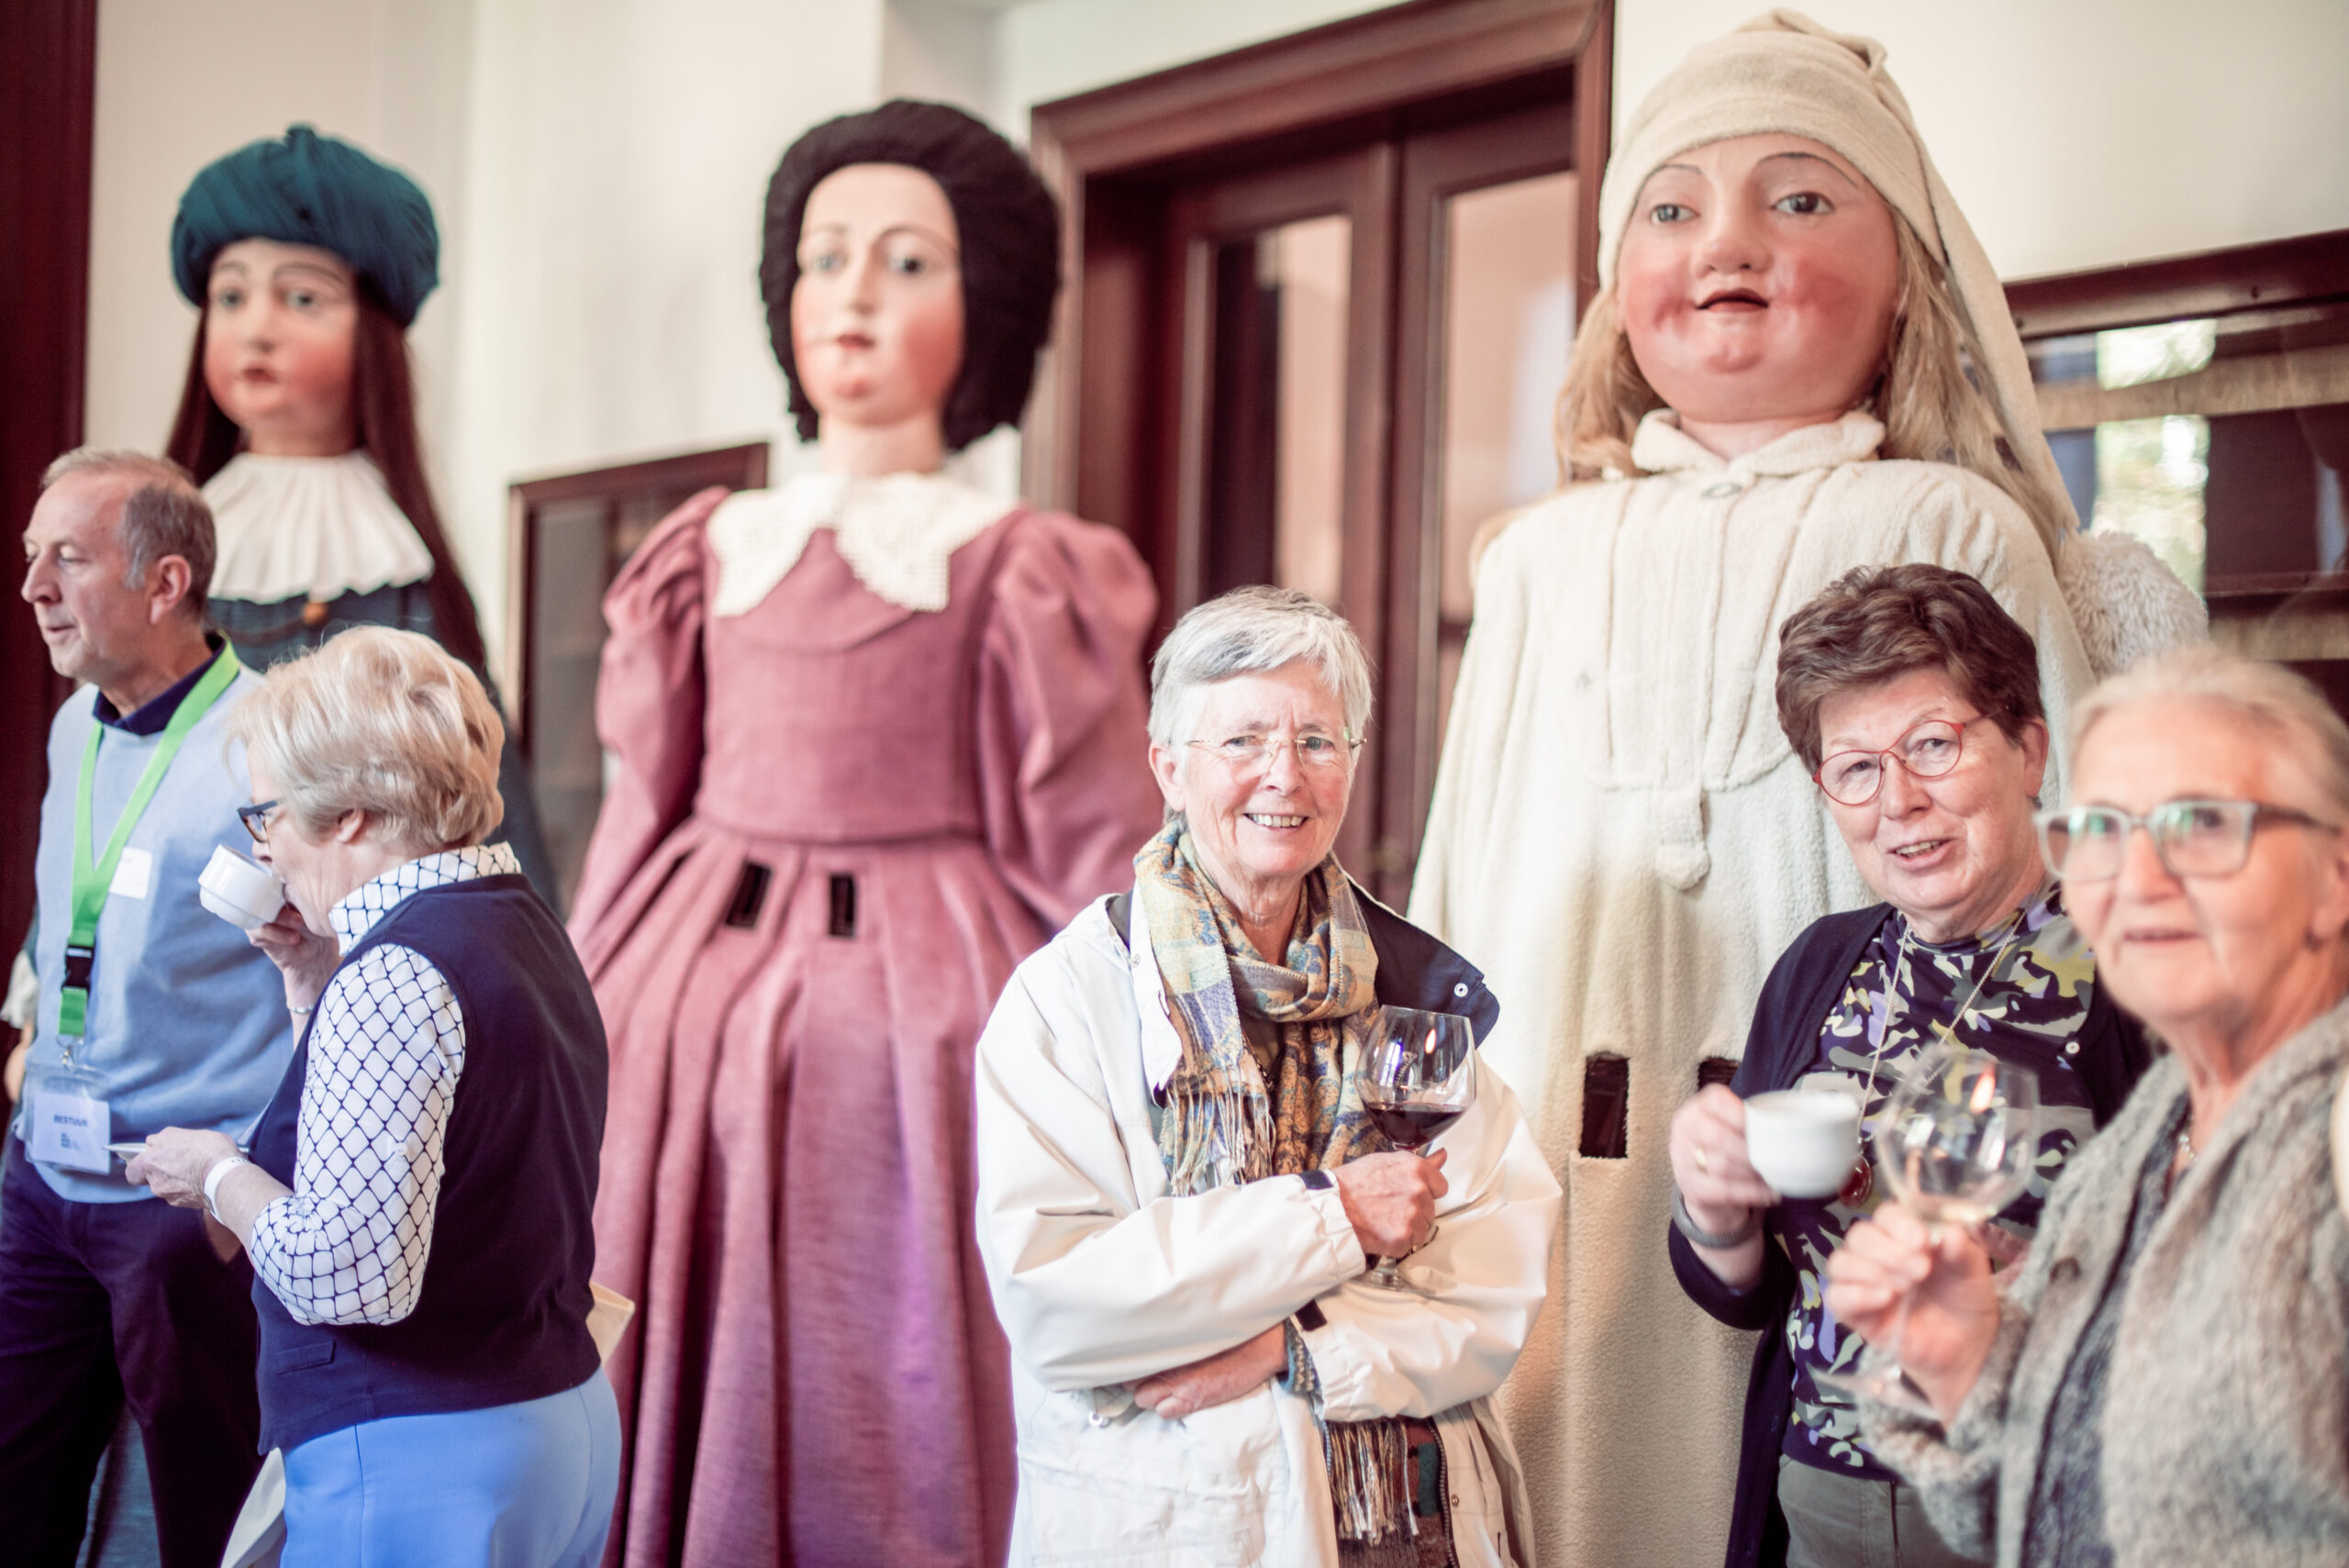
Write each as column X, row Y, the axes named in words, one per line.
column 1418, row 1077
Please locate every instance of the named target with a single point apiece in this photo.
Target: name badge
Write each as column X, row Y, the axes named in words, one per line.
column 132, row 875
column 68, row 1127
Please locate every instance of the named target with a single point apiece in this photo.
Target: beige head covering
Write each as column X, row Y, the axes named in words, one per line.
column 1783, row 72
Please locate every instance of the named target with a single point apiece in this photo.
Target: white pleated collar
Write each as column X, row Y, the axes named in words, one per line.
column 316, row 526
column 1660, row 446
column 896, row 533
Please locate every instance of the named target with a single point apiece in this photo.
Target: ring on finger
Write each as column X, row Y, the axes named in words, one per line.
column 1704, row 1160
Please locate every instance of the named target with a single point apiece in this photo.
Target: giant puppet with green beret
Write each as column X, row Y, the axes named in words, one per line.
column 308, row 261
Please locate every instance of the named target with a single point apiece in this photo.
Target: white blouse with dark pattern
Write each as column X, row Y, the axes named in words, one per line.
column 387, row 1047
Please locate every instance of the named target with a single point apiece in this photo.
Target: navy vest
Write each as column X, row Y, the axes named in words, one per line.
column 503, row 1313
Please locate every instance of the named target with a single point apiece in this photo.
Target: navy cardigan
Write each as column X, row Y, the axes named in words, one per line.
column 503, row 1315
column 1796, row 999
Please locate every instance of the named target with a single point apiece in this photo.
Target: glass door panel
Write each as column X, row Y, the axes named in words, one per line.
column 1508, row 324
column 1488, row 221
column 1277, row 420
column 1277, row 446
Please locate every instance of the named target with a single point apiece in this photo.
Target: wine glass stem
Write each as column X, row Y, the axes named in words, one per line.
column 1892, row 1346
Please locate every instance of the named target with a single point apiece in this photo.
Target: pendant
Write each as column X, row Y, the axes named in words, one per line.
column 1859, row 1186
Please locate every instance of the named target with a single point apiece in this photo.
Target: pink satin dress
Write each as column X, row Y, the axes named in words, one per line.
column 838, row 825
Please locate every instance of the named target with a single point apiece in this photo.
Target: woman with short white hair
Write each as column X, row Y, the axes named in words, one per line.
column 2162, row 1380
column 1178, row 1184
column 421, row 1276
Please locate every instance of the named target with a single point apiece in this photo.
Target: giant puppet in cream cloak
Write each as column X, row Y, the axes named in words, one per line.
column 1621, row 834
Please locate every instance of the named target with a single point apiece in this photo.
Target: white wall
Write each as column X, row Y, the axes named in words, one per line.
column 610, row 232
column 2081, row 133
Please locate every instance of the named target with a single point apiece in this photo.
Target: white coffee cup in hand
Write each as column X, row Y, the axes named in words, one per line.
column 246, row 895
column 1803, row 1141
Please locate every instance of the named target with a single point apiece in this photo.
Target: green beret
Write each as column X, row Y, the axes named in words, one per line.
column 311, row 190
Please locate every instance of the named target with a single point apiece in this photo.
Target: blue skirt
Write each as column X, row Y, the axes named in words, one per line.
column 527, row 1486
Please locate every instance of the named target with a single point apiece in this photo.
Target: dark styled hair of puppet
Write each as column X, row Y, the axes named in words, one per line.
column 307, row 189
column 1009, row 230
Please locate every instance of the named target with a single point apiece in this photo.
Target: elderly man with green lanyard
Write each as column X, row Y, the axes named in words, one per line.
column 154, row 1012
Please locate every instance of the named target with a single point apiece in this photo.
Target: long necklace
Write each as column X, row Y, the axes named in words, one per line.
column 1858, row 1186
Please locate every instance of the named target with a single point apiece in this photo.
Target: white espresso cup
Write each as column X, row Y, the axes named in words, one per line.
column 238, row 890
column 1803, row 1141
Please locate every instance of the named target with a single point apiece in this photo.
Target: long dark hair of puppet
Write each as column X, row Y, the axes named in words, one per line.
column 382, row 397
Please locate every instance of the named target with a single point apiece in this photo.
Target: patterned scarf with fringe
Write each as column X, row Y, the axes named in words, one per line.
column 1227, row 1125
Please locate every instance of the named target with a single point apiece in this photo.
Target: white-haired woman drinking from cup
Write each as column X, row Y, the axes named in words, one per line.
column 416, row 1200
column 2166, row 1379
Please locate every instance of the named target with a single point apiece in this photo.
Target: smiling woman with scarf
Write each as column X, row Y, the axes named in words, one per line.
column 1178, row 1184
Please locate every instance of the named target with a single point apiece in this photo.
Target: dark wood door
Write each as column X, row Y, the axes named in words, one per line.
column 1488, row 291
column 48, row 80
column 1275, row 436
column 1322, row 293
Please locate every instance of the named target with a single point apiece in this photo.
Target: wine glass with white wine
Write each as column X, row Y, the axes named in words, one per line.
column 1956, row 1143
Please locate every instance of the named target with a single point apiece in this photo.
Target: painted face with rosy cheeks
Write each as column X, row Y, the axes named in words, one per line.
column 1259, row 824
column 876, row 316
column 2208, row 955
column 1955, row 854
column 281, row 324
column 1757, row 282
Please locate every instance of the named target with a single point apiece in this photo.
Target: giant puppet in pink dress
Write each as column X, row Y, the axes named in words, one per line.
column 878, row 735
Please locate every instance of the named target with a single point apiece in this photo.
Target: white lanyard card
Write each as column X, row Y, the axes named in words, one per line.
column 66, row 1122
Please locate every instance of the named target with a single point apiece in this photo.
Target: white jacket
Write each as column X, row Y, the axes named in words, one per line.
column 1102, row 1278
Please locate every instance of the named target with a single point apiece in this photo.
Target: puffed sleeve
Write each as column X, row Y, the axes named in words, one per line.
column 649, row 704
column 1064, row 745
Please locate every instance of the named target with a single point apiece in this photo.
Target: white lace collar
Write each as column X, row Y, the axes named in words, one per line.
column 315, row 526
column 361, row 910
column 1662, row 447
column 896, row 533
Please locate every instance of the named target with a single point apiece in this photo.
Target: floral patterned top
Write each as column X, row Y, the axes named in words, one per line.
column 2036, row 977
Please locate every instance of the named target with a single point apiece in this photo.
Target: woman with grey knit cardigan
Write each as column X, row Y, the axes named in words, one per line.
column 2165, row 1378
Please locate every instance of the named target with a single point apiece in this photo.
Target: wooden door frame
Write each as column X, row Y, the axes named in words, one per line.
column 1097, row 439
column 48, row 53
column 2304, row 269
column 1286, row 91
column 2269, row 275
column 1436, row 167
column 1358, row 185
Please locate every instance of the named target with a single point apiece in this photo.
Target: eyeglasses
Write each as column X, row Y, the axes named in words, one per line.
column 1928, row 752
column 1249, row 754
column 256, row 820
column 2192, row 838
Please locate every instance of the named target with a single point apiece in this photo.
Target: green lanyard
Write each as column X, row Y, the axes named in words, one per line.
column 91, row 883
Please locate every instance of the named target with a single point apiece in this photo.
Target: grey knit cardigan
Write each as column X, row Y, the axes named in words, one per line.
column 2225, row 1427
